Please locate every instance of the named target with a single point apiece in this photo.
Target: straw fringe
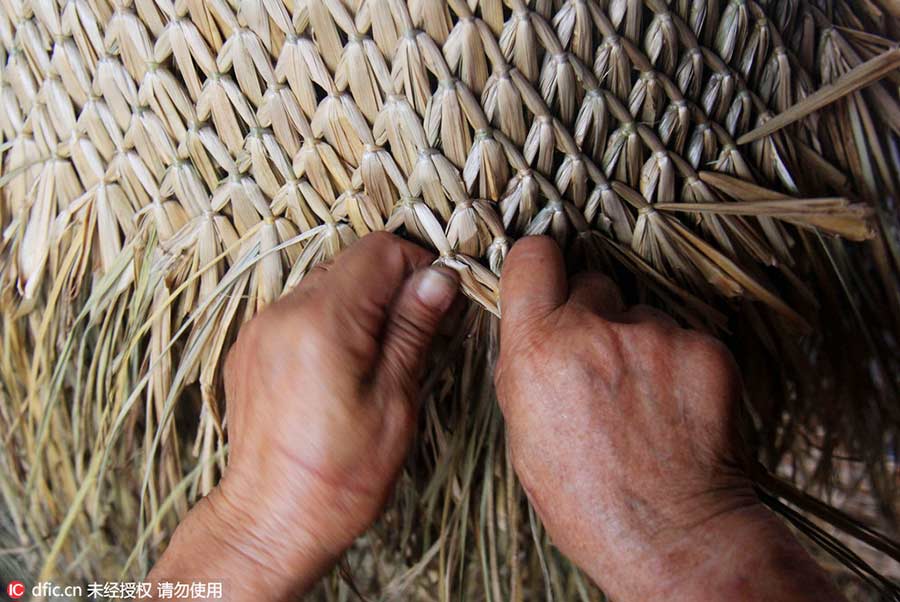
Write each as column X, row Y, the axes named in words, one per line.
column 167, row 170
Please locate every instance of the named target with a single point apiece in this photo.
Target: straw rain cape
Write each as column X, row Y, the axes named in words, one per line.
column 169, row 167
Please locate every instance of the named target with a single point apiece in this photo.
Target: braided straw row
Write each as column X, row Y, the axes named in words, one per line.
column 170, row 168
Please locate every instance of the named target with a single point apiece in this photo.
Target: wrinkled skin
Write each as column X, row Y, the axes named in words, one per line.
column 621, row 427
column 580, row 377
column 321, row 392
column 622, row 430
column 338, row 373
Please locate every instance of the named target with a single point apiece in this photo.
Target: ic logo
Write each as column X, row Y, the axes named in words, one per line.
column 15, row 589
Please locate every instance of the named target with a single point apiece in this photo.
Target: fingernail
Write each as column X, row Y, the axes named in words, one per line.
column 437, row 288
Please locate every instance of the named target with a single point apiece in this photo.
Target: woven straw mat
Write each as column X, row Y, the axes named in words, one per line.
column 149, row 141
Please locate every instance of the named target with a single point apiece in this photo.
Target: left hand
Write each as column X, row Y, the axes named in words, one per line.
column 321, row 392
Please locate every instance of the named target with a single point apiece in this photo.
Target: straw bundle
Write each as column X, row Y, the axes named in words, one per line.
column 169, row 168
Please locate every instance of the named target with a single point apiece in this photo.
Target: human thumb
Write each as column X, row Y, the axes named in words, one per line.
column 411, row 324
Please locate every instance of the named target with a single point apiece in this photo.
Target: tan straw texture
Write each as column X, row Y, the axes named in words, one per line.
column 170, row 167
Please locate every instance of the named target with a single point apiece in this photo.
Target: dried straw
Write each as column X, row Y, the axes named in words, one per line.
column 168, row 169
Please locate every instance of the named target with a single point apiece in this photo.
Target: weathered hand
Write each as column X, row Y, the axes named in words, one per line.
column 321, row 404
column 622, row 430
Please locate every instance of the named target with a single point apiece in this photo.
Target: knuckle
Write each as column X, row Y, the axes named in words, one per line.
column 530, row 247
column 716, row 359
column 593, row 280
column 380, row 237
column 376, row 247
column 651, row 314
column 575, row 319
column 533, row 243
column 654, row 329
column 710, row 349
column 388, row 249
column 380, row 243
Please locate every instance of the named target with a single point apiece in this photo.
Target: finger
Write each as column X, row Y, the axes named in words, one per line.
column 374, row 267
column 353, row 296
column 362, row 283
column 640, row 314
column 316, row 274
column 411, row 324
column 533, row 282
column 311, row 280
column 597, row 293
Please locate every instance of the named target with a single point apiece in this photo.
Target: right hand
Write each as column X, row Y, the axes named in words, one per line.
column 322, row 391
column 622, row 430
